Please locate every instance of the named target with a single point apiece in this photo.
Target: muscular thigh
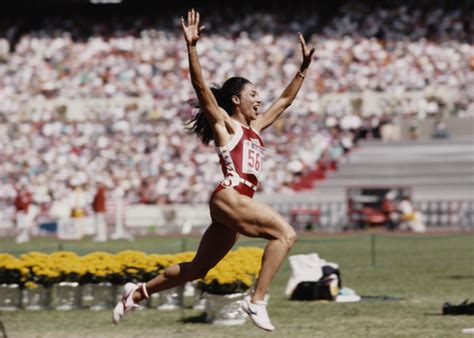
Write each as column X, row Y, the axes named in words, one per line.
column 215, row 244
column 247, row 216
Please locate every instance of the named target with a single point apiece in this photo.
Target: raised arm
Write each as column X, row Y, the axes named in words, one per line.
column 207, row 102
column 289, row 94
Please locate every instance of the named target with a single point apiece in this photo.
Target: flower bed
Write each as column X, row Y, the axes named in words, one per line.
column 235, row 273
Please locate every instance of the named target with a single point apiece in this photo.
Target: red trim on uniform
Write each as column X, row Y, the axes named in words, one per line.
column 241, row 188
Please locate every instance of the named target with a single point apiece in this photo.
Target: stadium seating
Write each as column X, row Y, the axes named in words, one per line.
column 92, row 100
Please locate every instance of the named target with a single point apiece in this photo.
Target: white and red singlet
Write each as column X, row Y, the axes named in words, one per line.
column 241, row 161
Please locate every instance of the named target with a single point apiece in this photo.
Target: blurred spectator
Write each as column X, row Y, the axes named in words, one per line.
column 413, row 131
column 146, row 194
column 99, row 207
column 389, row 131
column 409, row 218
column 390, row 210
column 24, row 213
column 440, row 130
column 77, row 202
column 135, row 146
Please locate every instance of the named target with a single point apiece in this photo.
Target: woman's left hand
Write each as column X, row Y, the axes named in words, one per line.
column 306, row 51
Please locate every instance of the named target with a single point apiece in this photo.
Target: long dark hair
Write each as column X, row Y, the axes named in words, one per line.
column 199, row 125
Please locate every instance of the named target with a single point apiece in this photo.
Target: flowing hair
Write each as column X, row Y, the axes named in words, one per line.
column 199, row 124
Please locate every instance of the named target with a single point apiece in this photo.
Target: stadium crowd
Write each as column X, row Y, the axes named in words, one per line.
column 136, row 151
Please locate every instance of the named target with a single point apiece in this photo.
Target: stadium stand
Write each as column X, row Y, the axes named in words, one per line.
column 83, row 99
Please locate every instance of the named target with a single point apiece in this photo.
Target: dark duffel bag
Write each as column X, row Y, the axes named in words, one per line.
column 464, row 308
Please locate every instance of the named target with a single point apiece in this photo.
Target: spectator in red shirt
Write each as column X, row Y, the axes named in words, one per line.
column 99, row 207
column 24, row 218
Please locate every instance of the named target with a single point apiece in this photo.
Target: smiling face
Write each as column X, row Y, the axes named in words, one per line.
column 248, row 102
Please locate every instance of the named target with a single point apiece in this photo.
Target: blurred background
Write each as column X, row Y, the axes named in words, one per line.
column 94, row 96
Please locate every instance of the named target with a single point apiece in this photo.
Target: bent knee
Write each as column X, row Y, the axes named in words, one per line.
column 289, row 236
column 181, row 271
column 188, row 271
column 175, row 270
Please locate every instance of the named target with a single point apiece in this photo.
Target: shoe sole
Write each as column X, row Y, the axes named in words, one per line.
column 246, row 309
column 116, row 321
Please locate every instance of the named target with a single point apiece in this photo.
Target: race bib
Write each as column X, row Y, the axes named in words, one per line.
column 253, row 155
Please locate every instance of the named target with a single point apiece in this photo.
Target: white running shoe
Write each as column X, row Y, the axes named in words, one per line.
column 257, row 313
column 126, row 304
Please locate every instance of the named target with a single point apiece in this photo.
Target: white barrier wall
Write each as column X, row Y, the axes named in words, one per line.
column 179, row 215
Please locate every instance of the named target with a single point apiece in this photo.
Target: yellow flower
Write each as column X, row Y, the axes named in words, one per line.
column 31, row 285
column 239, row 268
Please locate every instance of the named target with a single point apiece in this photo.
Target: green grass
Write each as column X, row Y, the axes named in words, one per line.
column 425, row 271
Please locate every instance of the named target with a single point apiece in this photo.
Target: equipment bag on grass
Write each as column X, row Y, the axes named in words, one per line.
column 313, row 278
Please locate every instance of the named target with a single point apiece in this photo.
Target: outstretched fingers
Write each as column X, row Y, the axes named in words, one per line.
column 301, row 38
column 307, row 53
column 190, row 18
column 197, row 21
column 191, row 27
column 193, row 19
column 304, row 48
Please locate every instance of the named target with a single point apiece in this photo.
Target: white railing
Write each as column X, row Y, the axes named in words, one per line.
column 325, row 216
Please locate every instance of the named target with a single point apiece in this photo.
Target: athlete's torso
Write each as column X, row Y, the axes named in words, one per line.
column 243, row 155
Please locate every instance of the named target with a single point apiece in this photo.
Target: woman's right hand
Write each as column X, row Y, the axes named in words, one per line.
column 191, row 29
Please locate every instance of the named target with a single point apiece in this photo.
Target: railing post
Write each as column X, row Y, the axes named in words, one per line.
column 372, row 250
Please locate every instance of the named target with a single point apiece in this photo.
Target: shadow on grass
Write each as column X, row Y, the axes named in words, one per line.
column 199, row 319
column 458, row 277
column 381, row 298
